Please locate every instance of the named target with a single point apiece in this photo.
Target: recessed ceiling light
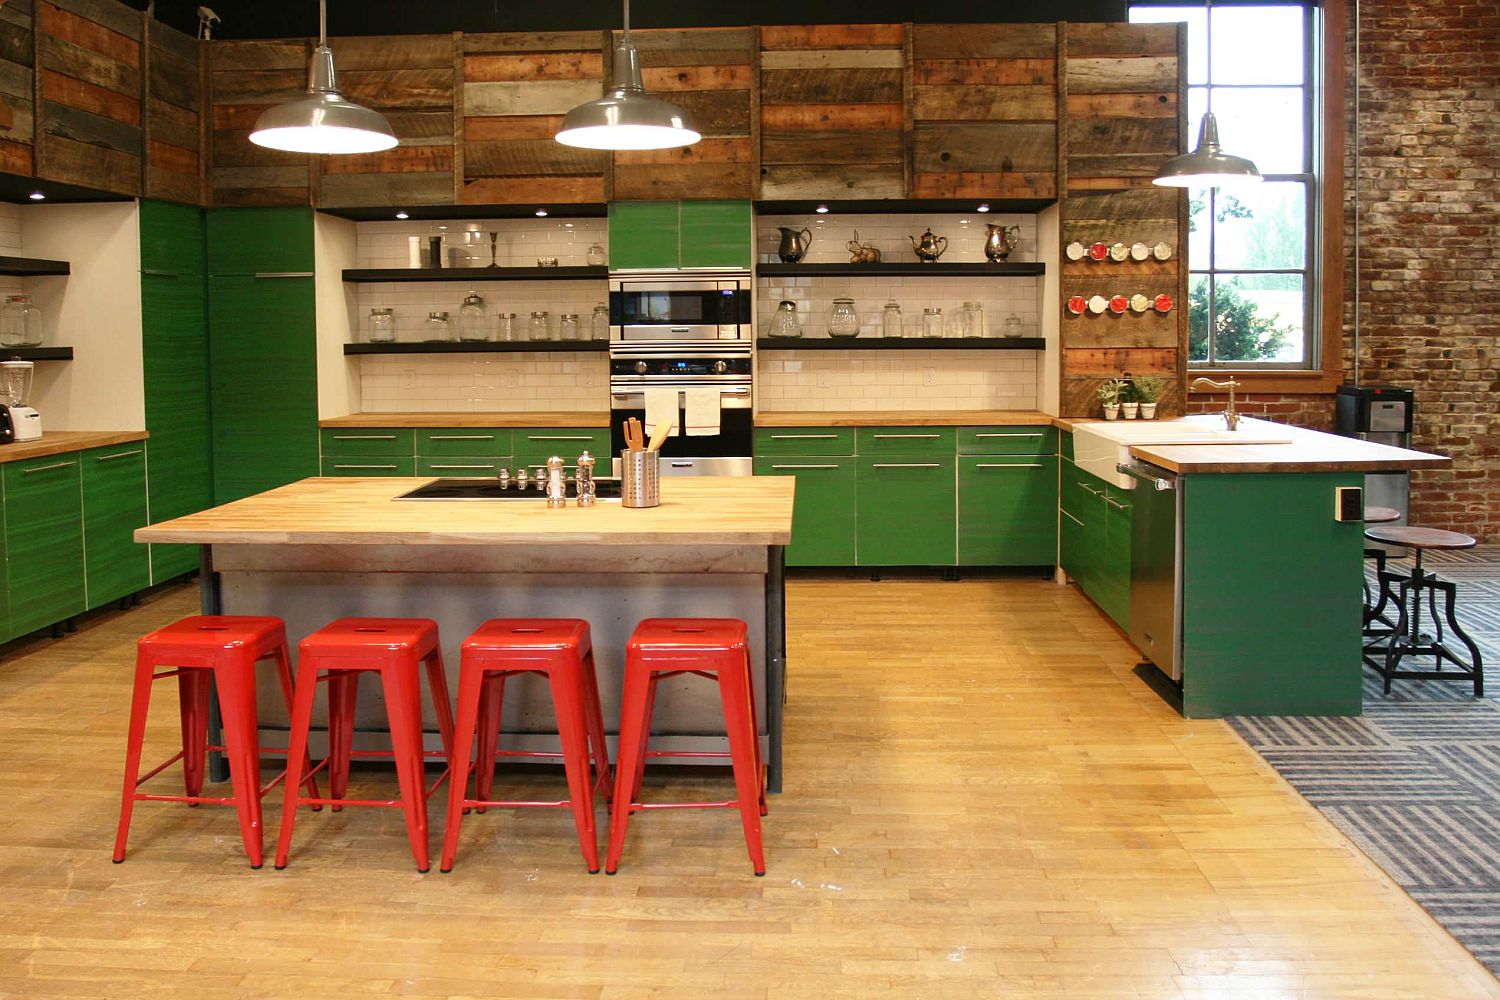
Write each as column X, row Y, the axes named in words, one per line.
column 402, row 215
column 37, row 196
column 822, row 209
column 982, row 208
column 567, row 225
column 442, row 229
column 541, row 213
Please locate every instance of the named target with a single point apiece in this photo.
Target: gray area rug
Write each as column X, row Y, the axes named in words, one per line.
column 1415, row 782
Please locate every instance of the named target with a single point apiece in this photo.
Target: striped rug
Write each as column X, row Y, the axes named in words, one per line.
column 1415, row 782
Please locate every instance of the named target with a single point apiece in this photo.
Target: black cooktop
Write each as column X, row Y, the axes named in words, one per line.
column 493, row 489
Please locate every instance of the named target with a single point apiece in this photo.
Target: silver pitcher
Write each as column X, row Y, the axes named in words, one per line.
column 930, row 248
column 794, row 244
column 1000, row 241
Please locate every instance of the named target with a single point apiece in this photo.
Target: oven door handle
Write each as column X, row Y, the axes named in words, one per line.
column 723, row 392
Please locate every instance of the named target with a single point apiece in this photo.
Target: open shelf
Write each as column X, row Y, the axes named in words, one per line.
column 915, row 269
column 479, row 347
column 36, row 354
column 473, row 275
column 902, row 206
column 902, row 344
column 28, row 267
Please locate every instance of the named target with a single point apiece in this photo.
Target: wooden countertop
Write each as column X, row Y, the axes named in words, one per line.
column 60, row 442
column 707, row 510
column 1309, row 451
column 900, row 418
column 560, row 418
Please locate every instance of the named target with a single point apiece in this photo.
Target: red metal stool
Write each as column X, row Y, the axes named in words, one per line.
column 715, row 648
column 208, row 652
column 395, row 648
column 560, row 650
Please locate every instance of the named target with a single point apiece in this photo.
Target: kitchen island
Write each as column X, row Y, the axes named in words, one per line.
column 320, row 549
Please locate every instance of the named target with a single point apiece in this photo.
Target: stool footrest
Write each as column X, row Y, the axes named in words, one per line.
column 514, row 804
column 725, row 755
column 639, row 806
column 213, row 800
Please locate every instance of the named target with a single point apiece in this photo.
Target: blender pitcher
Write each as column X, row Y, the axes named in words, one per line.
column 15, row 390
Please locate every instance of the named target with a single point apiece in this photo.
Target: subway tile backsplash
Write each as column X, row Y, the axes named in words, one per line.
column 535, row 382
column 909, row 380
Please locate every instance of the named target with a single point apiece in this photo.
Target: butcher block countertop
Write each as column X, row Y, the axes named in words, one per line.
column 901, row 418
column 61, row 442
column 546, row 418
column 1309, row 451
column 707, row 510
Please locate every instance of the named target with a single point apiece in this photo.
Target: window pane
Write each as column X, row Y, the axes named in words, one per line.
column 1258, row 317
column 1262, row 124
column 1198, row 319
column 1257, row 45
column 1260, row 226
column 1198, row 234
column 1197, row 36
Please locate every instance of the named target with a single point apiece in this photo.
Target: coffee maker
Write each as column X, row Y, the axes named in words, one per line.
column 20, row 422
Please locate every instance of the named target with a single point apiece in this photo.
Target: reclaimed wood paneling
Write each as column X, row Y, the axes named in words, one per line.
column 89, row 85
column 173, row 115
column 245, row 78
column 17, row 87
column 832, row 111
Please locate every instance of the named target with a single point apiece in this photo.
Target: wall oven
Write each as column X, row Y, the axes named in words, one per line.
column 670, row 371
column 679, row 306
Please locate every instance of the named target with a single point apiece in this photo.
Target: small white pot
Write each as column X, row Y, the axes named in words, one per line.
column 1131, row 410
column 1148, row 411
column 1112, row 412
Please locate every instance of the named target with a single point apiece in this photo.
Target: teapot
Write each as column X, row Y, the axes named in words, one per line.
column 931, row 247
column 794, row 244
column 862, row 253
column 1000, row 241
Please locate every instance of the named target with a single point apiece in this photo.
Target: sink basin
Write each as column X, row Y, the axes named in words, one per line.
column 1098, row 447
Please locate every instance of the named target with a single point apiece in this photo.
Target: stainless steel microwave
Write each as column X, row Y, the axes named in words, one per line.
column 679, row 306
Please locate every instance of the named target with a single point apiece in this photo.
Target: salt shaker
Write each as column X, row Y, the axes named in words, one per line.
column 557, row 483
column 585, row 480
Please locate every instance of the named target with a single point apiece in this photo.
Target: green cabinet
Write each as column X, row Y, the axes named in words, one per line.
column 43, row 540
column 534, row 445
column 1007, row 510
column 1094, row 544
column 259, row 240
column 1114, row 590
column 824, row 511
column 871, row 442
column 665, row 234
column 366, row 451
column 906, row 510
column 1007, row 441
column 777, row 442
column 114, row 505
column 461, row 441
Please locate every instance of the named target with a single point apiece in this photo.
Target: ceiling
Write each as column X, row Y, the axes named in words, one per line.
column 299, row 18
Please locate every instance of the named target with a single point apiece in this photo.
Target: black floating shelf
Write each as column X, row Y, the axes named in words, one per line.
column 29, row 267
column 474, row 275
column 903, row 344
column 913, row 270
column 36, row 354
column 485, row 347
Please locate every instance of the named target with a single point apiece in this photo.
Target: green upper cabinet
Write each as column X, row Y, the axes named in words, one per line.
column 260, row 240
column 43, row 540
column 666, row 234
column 171, row 238
column 114, row 505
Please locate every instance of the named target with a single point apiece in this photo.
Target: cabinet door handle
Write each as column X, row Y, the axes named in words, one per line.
column 283, row 274
column 48, row 468
column 1070, row 517
column 907, row 465
column 364, row 466
column 461, row 437
column 908, row 437
column 830, row 466
column 1028, row 434
column 456, row 467
column 804, row 437
column 364, row 437
column 1089, row 489
column 119, row 454
column 559, row 437
column 1117, row 506
column 160, row 274
column 1008, row 465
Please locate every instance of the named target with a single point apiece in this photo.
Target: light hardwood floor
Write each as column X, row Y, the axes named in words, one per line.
column 982, row 801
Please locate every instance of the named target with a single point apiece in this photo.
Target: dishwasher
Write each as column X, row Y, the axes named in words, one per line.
column 1156, row 566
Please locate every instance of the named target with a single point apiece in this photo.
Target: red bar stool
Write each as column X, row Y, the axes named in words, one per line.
column 209, row 652
column 560, row 650
column 338, row 653
column 715, row 648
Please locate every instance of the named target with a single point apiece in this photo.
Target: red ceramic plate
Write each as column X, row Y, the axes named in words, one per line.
column 1099, row 251
column 1118, row 304
column 1076, row 305
column 1163, row 303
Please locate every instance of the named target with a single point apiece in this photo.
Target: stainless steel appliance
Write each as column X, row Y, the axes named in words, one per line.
column 1156, row 566
column 506, row 489
column 682, row 306
column 1381, row 414
column 676, row 368
column 15, row 390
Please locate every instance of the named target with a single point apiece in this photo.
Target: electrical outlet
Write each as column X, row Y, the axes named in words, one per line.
column 586, row 378
column 824, row 380
column 929, row 376
column 512, row 378
column 408, row 379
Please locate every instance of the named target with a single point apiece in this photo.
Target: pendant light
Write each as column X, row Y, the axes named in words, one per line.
column 323, row 121
column 625, row 117
column 1208, row 165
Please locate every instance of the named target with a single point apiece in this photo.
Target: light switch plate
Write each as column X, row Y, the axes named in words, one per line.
column 1349, row 503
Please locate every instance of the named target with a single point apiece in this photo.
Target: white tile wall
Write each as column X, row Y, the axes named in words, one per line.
column 524, row 382
column 519, row 244
column 905, row 380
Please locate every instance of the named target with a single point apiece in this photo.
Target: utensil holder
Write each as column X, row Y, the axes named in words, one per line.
column 640, row 478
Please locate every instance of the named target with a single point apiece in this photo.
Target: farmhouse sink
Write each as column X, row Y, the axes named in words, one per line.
column 1099, row 446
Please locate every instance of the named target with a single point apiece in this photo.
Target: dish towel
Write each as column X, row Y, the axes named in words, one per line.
column 661, row 405
column 702, row 417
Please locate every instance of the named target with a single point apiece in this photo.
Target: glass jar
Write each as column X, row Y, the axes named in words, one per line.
column 567, row 326
column 382, row 326
column 471, row 325
column 599, row 323
column 784, row 321
column 971, row 320
column 932, row 322
column 20, row 322
column 843, row 322
column 437, row 328
column 596, row 257
column 536, row 327
column 1013, row 327
column 505, row 326
column 890, row 320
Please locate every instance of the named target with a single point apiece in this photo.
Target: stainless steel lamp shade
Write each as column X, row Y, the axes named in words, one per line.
column 1208, row 165
column 625, row 117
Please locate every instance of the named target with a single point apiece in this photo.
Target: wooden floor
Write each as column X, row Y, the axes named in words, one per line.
column 982, row 801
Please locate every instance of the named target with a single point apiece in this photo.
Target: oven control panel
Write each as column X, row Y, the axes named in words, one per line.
column 682, row 367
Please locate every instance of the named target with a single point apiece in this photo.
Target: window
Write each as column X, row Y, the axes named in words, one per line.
column 1251, row 252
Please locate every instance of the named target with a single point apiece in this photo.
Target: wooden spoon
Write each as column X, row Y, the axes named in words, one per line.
column 660, row 435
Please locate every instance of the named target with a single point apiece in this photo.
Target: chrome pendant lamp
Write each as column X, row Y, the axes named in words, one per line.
column 625, row 117
column 323, row 121
column 1208, row 165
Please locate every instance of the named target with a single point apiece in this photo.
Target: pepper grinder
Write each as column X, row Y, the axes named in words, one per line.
column 557, row 483
column 585, row 480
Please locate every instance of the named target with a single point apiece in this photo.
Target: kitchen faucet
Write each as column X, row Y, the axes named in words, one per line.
column 1231, row 418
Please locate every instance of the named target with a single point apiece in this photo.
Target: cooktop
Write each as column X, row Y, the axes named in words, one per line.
column 494, row 489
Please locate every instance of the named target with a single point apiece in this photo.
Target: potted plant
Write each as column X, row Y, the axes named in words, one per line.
column 1109, row 395
column 1130, row 403
column 1148, row 389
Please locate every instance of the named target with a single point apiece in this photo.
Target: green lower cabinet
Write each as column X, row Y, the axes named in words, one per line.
column 1007, row 510
column 534, row 445
column 823, row 514
column 369, row 465
column 1115, row 571
column 462, row 466
column 906, row 510
column 114, row 505
column 43, row 540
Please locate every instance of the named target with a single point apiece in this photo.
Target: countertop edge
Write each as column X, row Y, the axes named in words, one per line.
column 903, row 418
column 561, row 418
column 62, row 442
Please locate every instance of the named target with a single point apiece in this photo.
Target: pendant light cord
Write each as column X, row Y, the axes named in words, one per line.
column 627, row 22
column 322, row 23
column 1208, row 61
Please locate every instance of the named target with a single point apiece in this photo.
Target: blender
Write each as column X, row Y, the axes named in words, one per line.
column 15, row 389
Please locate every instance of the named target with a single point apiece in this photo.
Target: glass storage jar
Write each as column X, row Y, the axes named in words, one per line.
column 382, row 326
column 1013, row 327
column 20, row 322
column 536, row 327
column 505, row 326
column 437, row 328
column 599, row 323
column 596, row 256
column 567, row 326
column 890, row 320
column 471, row 325
column 784, row 321
column 932, row 322
column 843, row 322
column 971, row 320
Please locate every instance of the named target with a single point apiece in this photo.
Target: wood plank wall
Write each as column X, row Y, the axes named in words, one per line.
column 709, row 72
column 90, row 87
column 833, row 111
column 244, row 79
column 173, row 119
column 1123, row 118
column 410, row 80
column 17, row 88
column 514, row 92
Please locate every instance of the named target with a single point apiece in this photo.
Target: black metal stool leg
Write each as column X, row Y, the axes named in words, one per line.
column 1476, row 664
